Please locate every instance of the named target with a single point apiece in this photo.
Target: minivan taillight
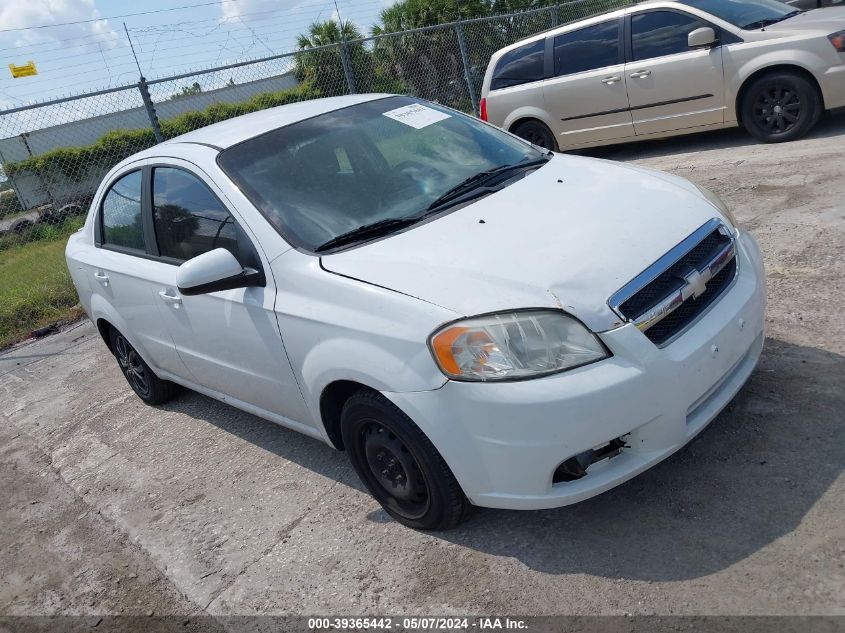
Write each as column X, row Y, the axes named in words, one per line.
column 483, row 108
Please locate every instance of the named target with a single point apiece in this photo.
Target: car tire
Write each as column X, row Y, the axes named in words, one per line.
column 537, row 133
column 148, row 387
column 398, row 464
column 780, row 106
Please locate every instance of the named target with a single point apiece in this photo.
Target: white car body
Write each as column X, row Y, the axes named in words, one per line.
column 565, row 237
column 694, row 90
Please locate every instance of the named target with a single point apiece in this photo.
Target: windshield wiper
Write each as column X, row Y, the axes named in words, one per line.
column 477, row 180
column 368, row 231
column 453, row 196
column 759, row 24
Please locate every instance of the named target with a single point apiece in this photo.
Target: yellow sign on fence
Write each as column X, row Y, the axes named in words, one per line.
column 27, row 70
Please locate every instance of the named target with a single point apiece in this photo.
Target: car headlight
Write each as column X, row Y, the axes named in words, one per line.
column 838, row 40
column 717, row 202
column 514, row 345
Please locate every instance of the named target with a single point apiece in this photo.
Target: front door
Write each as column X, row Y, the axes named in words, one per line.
column 587, row 96
column 228, row 340
column 670, row 86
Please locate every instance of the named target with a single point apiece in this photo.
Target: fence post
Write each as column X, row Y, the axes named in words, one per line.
column 347, row 67
column 553, row 15
column 151, row 111
column 459, row 30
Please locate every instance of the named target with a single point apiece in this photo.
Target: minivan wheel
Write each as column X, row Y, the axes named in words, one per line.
column 780, row 106
column 398, row 464
column 148, row 387
column 536, row 133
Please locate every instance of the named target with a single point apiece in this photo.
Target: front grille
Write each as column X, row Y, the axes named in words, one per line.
column 662, row 301
column 668, row 327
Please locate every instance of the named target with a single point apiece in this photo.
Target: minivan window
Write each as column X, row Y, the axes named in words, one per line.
column 659, row 33
column 746, row 14
column 121, row 213
column 384, row 160
column 189, row 220
column 589, row 48
column 519, row 66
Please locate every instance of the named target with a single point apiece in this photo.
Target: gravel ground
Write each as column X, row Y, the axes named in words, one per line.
column 196, row 508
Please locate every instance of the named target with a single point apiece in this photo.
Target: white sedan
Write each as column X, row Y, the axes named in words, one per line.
column 473, row 319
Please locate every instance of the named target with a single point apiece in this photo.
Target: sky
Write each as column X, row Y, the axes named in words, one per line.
column 75, row 58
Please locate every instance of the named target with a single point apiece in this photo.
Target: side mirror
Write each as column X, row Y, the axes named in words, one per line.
column 701, row 37
column 213, row 271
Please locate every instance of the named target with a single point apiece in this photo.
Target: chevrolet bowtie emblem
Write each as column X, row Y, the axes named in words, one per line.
column 696, row 284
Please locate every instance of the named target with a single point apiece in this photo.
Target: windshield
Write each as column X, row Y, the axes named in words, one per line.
column 746, row 14
column 382, row 160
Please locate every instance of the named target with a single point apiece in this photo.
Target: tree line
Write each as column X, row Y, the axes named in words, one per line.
column 426, row 64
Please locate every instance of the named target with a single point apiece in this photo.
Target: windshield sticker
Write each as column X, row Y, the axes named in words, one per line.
column 416, row 115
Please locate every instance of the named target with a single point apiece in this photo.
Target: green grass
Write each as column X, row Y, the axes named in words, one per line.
column 35, row 287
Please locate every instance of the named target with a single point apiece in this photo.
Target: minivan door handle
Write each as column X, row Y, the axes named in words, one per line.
column 168, row 297
column 640, row 74
column 102, row 277
column 611, row 80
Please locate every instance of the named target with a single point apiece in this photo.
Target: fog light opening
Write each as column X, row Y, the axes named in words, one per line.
column 576, row 466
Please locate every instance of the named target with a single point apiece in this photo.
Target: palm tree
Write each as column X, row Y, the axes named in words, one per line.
column 323, row 67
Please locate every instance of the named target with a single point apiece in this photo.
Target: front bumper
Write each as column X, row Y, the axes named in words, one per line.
column 503, row 441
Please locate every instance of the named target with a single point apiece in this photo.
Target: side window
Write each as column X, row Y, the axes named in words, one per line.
column 593, row 47
column 188, row 218
column 519, row 66
column 121, row 213
column 658, row 33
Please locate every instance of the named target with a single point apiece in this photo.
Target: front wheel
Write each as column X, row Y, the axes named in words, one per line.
column 398, row 464
column 780, row 106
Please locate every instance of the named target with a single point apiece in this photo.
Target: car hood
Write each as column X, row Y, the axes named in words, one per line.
column 827, row 19
column 566, row 236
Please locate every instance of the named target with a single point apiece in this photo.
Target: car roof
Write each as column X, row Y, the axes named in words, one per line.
column 240, row 128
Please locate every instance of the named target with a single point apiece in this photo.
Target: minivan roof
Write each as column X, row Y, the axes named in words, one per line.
column 572, row 26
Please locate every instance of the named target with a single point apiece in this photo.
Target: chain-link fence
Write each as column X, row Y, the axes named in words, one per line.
column 55, row 153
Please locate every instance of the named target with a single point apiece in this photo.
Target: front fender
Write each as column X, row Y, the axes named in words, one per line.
column 805, row 60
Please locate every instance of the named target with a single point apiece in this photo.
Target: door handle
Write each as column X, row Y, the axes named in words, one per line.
column 640, row 74
column 170, row 298
column 611, row 80
column 102, row 277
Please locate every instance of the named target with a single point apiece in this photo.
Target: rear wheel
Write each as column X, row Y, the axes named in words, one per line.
column 780, row 106
column 537, row 133
column 148, row 387
column 398, row 464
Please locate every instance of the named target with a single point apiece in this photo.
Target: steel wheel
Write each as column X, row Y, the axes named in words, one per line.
column 133, row 367
column 393, row 467
column 398, row 464
column 777, row 109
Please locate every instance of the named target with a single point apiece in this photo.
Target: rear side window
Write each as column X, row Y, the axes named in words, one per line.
column 659, row 33
column 519, row 66
column 589, row 48
column 189, row 220
column 122, row 223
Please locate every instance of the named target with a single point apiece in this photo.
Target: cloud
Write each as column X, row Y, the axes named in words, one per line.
column 245, row 9
column 21, row 14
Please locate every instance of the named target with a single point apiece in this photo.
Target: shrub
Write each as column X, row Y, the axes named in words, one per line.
column 84, row 166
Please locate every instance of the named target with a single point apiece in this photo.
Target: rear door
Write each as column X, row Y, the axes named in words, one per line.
column 587, row 95
column 119, row 271
column 670, row 86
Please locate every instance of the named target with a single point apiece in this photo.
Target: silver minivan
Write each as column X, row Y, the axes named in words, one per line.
column 671, row 67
